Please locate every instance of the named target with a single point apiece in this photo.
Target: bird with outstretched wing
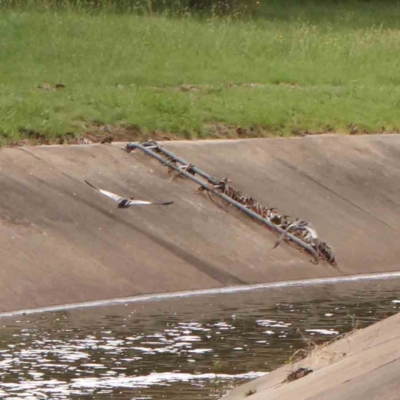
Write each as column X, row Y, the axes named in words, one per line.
column 125, row 202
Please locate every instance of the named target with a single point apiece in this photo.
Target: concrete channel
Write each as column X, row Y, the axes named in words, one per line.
column 62, row 243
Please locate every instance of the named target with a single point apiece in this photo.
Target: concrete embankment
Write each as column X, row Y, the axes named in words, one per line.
column 62, row 242
column 363, row 365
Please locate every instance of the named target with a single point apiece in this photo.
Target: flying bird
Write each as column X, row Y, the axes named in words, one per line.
column 126, row 203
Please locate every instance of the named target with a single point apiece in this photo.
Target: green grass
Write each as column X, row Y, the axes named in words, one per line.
column 319, row 68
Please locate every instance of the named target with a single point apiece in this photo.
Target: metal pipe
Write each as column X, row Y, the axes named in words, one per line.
column 251, row 213
column 193, row 168
column 210, row 178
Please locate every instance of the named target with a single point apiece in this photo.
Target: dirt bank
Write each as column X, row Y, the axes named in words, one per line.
column 61, row 242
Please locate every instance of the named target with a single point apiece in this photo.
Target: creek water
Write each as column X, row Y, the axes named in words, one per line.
column 182, row 348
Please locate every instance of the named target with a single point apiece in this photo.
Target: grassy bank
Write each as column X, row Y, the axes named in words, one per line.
column 290, row 69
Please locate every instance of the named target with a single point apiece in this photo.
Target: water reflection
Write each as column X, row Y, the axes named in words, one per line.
column 192, row 348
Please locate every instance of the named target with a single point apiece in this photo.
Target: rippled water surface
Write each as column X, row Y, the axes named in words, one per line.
column 185, row 348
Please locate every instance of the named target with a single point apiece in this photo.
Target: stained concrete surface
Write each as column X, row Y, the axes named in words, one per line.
column 361, row 366
column 62, row 242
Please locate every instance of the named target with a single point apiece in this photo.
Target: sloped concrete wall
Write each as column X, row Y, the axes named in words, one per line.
column 62, row 242
column 363, row 365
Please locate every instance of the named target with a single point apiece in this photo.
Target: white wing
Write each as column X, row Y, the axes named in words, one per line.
column 113, row 196
column 312, row 232
column 148, row 203
column 139, row 203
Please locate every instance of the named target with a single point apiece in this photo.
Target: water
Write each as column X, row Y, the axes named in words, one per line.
column 183, row 349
